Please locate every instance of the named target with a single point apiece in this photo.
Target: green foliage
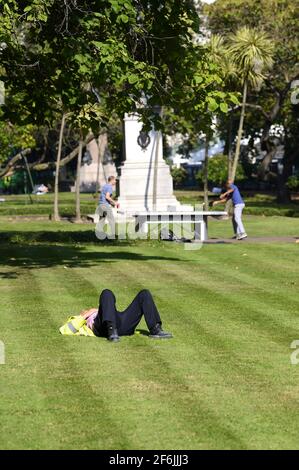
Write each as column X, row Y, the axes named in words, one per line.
column 293, row 183
column 271, row 105
column 179, row 176
column 14, row 138
column 218, row 171
column 251, row 51
column 102, row 58
column 94, row 60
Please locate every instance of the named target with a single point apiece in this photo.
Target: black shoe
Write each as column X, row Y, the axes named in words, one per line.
column 113, row 335
column 158, row 333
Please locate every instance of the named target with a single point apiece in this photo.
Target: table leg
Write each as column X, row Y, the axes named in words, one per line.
column 144, row 227
column 141, row 225
column 204, row 228
column 198, row 230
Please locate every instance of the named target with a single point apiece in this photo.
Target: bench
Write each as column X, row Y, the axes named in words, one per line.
column 198, row 218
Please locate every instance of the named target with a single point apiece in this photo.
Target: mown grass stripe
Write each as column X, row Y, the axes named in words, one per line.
column 176, row 408
column 62, row 362
column 225, row 381
column 250, row 379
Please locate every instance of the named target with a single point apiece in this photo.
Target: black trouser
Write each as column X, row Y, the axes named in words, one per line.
column 125, row 321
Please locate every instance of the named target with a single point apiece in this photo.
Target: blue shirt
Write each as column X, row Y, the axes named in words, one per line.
column 107, row 188
column 236, row 196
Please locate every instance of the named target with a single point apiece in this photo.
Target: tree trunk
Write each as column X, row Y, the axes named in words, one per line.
column 283, row 192
column 240, row 132
column 205, row 174
column 56, row 185
column 264, row 165
column 98, row 169
column 228, row 144
column 102, row 145
column 155, row 179
column 29, row 173
column 13, row 165
column 229, row 167
column 8, row 170
column 78, row 182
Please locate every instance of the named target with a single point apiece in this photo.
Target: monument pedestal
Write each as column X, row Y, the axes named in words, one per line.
column 145, row 183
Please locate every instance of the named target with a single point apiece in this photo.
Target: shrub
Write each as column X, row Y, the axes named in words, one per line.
column 179, row 176
column 218, row 172
column 293, row 183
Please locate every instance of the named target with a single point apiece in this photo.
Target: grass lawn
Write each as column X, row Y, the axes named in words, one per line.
column 224, row 382
column 256, row 204
column 43, row 205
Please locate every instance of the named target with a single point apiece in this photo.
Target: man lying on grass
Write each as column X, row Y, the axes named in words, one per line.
column 107, row 321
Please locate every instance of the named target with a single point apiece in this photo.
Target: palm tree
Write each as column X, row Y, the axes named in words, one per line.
column 252, row 52
column 219, row 54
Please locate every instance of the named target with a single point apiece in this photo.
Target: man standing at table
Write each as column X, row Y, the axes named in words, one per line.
column 233, row 193
column 104, row 210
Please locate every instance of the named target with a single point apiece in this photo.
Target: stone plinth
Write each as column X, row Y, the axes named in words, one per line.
column 145, row 173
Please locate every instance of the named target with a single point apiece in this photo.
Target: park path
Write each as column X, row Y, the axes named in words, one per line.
column 254, row 240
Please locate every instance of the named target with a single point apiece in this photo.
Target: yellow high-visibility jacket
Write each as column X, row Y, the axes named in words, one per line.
column 76, row 326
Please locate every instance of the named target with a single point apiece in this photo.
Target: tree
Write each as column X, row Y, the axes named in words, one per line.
column 272, row 105
column 113, row 53
column 95, row 59
column 291, row 156
column 251, row 51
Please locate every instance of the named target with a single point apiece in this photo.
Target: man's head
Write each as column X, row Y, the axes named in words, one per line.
column 229, row 183
column 112, row 180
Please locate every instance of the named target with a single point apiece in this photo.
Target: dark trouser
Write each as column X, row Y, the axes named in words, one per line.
column 235, row 225
column 125, row 321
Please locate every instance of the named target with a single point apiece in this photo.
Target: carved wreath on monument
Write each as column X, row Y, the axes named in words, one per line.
column 143, row 140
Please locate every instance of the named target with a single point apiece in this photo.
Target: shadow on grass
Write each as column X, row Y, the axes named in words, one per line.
column 8, row 275
column 59, row 236
column 142, row 332
column 46, row 256
column 65, row 237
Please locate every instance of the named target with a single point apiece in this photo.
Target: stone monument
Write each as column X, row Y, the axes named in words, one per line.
column 145, row 182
